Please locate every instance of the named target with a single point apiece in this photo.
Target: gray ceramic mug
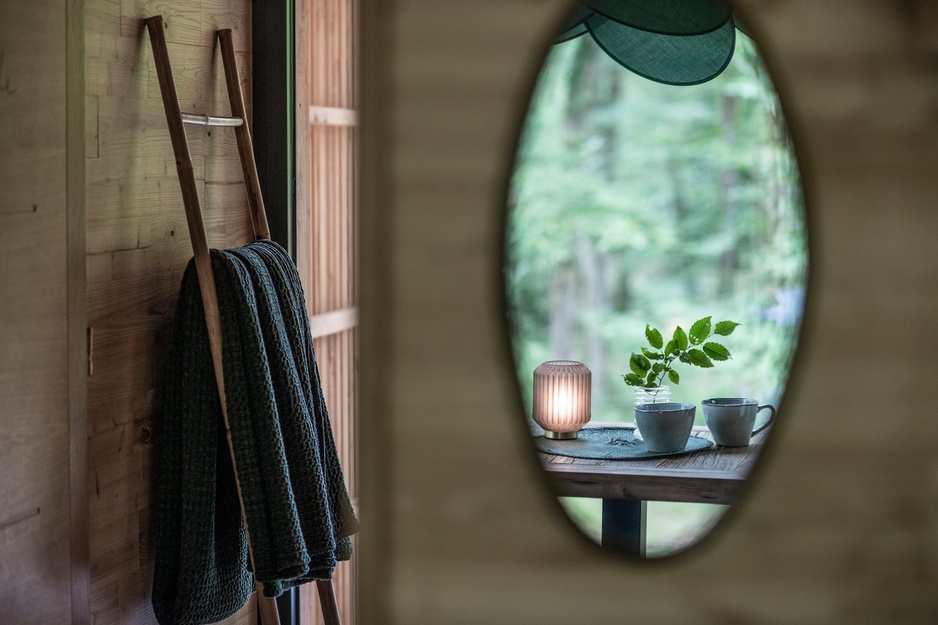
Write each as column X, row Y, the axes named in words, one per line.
column 731, row 419
column 665, row 427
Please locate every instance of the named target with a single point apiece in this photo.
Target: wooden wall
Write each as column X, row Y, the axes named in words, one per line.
column 459, row 528
column 137, row 247
column 327, row 234
column 42, row 552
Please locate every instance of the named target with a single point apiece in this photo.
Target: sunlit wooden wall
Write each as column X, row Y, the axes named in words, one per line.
column 841, row 525
column 137, row 247
column 327, row 232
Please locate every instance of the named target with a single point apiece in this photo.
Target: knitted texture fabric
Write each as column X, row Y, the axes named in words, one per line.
column 295, row 500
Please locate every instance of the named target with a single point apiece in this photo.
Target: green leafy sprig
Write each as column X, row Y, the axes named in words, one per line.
column 652, row 366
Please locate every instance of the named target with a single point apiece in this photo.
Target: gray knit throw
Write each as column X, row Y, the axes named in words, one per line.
column 296, row 503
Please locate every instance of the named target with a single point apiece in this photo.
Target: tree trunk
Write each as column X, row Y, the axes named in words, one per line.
column 595, row 298
column 729, row 178
column 562, row 311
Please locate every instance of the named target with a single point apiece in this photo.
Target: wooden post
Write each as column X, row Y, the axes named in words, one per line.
column 623, row 525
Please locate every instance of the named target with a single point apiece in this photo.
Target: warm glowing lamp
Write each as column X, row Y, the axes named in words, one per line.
column 562, row 397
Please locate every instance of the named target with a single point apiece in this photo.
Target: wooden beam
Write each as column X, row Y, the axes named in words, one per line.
column 606, row 482
column 333, row 322
column 77, row 315
column 332, row 116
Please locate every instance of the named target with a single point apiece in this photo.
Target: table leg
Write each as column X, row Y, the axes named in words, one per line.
column 624, row 525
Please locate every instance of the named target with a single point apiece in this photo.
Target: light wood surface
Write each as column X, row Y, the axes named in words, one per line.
column 333, row 322
column 715, row 475
column 138, row 245
column 78, row 333
column 839, row 523
column 39, row 206
column 332, row 116
column 326, row 213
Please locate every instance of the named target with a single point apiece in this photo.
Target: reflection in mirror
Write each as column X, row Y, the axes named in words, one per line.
column 647, row 220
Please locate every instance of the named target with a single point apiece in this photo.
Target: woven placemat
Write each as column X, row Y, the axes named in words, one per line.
column 612, row 443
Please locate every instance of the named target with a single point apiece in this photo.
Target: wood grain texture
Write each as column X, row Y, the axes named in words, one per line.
column 137, row 247
column 716, row 475
column 78, row 346
column 841, row 521
column 333, row 321
column 326, row 235
column 41, row 567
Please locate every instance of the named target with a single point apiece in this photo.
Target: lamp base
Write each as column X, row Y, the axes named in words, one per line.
column 559, row 436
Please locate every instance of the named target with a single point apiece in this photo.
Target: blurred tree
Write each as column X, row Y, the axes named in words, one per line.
column 634, row 202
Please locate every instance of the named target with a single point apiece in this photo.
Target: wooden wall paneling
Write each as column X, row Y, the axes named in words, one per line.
column 326, row 47
column 43, row 557
column 78, row 369
column 42, row 565
column 841, row 524
column 137, row 248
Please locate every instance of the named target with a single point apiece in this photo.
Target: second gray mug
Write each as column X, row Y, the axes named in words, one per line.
column 731, row 419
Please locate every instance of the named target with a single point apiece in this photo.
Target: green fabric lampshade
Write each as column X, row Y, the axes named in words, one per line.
column 675, row 42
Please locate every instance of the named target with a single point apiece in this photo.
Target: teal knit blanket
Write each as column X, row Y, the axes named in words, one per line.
column 296, row 503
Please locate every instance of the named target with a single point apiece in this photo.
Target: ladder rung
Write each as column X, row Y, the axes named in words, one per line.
column 209, row 120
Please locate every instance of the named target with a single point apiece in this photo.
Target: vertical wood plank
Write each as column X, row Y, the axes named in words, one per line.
column 78, row 367
column 42, row 563
column 326, row 218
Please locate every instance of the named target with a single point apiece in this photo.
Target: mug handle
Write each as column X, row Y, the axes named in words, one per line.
column 767, row 423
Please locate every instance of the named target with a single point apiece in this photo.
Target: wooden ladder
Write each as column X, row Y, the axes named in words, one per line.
column 176, row 119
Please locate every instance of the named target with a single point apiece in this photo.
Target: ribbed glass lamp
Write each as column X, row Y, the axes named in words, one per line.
column 562, row 397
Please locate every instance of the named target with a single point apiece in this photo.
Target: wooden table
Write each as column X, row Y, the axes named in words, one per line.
column 715, row 475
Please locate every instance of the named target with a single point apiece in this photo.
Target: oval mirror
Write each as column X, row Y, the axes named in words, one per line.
column 656, row 259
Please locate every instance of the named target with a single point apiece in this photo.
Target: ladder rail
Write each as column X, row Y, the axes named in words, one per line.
column 175, row 120
column 243, row 134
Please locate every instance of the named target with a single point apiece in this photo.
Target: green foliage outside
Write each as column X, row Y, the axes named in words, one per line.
column 637, row 203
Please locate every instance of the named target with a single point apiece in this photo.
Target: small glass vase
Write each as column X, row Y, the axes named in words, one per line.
column 657, row 395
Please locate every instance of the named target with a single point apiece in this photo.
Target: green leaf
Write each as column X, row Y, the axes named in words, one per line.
column 716, row 351
column 725, row 328
column 657, row 367
column 650, row 355
column 700, row 331
column 680, row 338
column 654, row 337
column 650, row 380
column 633, row 380
column 674, row 377
column 639, row 365
column 698, row 358
column 669, row 348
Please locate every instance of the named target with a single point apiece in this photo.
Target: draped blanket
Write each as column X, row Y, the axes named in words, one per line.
column 296, row 503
